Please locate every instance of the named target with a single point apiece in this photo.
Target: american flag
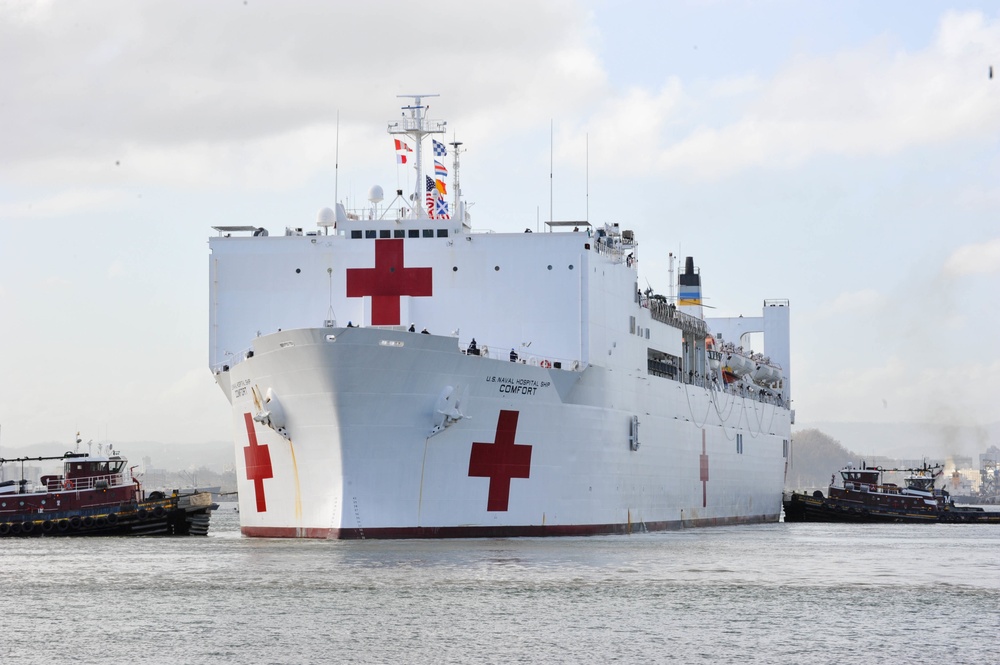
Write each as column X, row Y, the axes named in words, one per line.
column 439, row 149
column 431, row 192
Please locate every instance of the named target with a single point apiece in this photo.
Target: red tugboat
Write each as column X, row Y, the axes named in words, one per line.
column 863, row 497
column 92, row 497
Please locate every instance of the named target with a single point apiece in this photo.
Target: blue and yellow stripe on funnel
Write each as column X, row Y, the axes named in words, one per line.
column 689, row 297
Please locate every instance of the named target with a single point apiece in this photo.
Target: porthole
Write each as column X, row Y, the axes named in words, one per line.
column 298, row 270
column 550, row 266
column 454, row 268
column 497, row 268
column 571, row 266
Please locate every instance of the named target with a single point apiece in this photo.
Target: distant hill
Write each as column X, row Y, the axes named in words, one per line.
column 217, row 456
column 910, row 440
column 815, row 456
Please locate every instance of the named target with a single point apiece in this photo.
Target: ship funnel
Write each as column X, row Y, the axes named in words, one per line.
column 689, row 293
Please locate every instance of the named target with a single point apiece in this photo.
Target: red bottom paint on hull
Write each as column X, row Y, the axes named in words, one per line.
column 497, row 531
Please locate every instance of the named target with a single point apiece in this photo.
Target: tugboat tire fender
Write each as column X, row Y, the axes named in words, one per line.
column 63, row 525
column 47, row 526
column 141, row 514
column 15, row 528
column 4, row 528
column 74, row 522
column 101, row 521
column 27, row 527
column 88, row 522
column 112, row 518
column 158, row 511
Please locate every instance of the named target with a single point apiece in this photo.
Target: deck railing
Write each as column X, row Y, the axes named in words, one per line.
column 89, row 483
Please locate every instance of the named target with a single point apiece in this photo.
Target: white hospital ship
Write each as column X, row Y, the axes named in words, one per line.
column 549, row 395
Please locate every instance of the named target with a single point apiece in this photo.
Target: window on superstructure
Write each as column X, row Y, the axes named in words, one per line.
column 383, row 233
column 442, row 233
column 356, row 234
column 739, row 444
column 398, row 233
column 428, row 233
column 370, row 233
column 413, row 233
column 784, row 448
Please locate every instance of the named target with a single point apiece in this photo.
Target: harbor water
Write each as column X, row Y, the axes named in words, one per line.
column 777, row 593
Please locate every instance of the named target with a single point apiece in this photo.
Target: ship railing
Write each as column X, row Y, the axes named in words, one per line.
column 668, row 313
column 89, row 483
column 499, row 353
column 712, row 382
column 232, row 360
column 616, row 249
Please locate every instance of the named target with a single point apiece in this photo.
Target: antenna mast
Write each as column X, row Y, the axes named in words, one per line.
column 456, row 187
column 416, row 126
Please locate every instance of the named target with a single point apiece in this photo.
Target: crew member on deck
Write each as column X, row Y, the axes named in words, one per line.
column 473, row 349
column 413, row 328
column 513, row 356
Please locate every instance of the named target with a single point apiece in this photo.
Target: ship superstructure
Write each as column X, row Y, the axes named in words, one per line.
column 395, row 373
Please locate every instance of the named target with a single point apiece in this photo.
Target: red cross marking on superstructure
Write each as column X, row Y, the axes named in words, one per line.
column 500, row 461
column 258, row 461
column 704, row 472
column 387, row 281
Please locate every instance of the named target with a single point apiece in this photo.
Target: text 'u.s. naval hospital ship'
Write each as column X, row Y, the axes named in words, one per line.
column 551, row 396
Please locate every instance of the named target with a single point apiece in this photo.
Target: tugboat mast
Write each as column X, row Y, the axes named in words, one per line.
column 416, row 126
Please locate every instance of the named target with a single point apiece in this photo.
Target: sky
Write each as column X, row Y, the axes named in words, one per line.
column 841, row 155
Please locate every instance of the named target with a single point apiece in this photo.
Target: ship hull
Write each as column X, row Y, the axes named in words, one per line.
column 389, row 434
column 804, row 508
column 177, row 515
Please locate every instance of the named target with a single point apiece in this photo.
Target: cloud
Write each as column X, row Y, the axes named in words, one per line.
column 856, row 302
column 183, row 92
column 116, row 269
column 876, row 100
column 66, row 202
column 977, row 259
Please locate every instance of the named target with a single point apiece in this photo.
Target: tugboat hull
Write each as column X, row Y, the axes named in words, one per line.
column 805, row 508
column 178, row 515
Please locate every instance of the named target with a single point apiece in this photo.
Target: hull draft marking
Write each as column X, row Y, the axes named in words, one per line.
column 258, row 460
column 501, row 461
column 387, row 281
column 704, row 472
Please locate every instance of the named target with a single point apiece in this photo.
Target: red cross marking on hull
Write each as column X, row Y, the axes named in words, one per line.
column 500, row 461
column 387, row 281
column 258, row 461
column 704, row 472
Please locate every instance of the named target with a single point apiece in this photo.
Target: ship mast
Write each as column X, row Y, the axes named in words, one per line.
column 456, row 211
column 416, row 126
